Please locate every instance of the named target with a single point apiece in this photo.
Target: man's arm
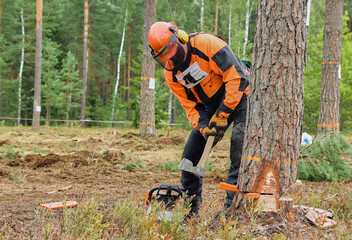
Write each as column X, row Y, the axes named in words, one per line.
column 195, row 112
column 234, row 73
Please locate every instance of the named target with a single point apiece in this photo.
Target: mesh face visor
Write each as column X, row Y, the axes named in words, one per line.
column 169, row 56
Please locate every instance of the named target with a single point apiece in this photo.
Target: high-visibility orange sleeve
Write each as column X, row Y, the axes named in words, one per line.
column 226, row 64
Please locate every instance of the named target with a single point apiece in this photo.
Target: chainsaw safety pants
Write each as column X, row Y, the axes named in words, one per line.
column 191, row 184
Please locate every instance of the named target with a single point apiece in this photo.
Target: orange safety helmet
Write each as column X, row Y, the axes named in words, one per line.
column 165, row 48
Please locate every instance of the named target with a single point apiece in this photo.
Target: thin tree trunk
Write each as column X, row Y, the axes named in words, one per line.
column 248, row 16
column 129, row 73
column 20, row 73
column 118, row 67
column 230, row 19
column 216, row 17
column 68, row 97
column 329, row 115
column 48, row 107
column 147, row 109
column 0, row 52
column 169, row 109
column 174, row 109
column 38, row 66
column 202, row 16
column 275, row 104
column 84, row 64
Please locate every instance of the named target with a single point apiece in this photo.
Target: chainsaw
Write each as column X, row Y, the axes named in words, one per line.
column 167, row 195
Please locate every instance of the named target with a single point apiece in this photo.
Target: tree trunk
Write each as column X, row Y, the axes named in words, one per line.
column 118, row 67
column 202, row 16
column 216, row 17
column 275, row 104
column 20, row 74
column 147, row 109
column 174, row 109
column 229, row 30
column 84, row 64
column 129, row 73
column 48, row 107
column 246, row 28
column 0, row 53
column 38, row 66
column 68, row 96
column 169, row 109
column 329, row 116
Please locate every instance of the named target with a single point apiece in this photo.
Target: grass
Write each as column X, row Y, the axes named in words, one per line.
column 131, row 165
column 171, row 166
column 128, row 219
column 17, row 177
column 97, row 218
column 8, row 152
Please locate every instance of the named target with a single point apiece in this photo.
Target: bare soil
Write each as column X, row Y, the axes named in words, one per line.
column 56, row 164
column 49, row 160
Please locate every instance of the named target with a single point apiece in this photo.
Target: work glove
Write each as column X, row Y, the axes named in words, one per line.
column 206, row 132
column 220, row 125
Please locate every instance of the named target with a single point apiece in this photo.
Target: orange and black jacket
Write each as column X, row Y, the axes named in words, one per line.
column 211, row 80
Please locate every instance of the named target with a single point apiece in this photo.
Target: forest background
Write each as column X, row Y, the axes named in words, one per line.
column 113, row 22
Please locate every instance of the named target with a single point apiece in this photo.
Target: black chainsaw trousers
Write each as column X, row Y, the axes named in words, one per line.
column 191, row 184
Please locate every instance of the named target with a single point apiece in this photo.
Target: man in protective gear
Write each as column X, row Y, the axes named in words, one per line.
column 212, row 85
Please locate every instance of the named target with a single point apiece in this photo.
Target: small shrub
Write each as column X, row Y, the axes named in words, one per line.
column 323, row 160
column 10, row 153
column 17, row 178
column 130, row 166
column 171, row 166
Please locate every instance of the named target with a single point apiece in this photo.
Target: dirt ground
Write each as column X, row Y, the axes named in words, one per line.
column 56, row 164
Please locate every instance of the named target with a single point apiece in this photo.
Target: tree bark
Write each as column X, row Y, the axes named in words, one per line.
column 169, row 109
column 329, row 115
column 275, row 104
column 147, row 109
column 68, row 97
column 216, row 17
column 246, row 26
column 202, row 16
column 118, row 67
column 38, row 66
column 0, row 52
column 84, row 64
column 129, row 72
column 20, row 73
column 229, row 28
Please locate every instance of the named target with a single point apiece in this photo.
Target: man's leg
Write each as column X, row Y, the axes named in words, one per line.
column 239, row 122
column 191, row 184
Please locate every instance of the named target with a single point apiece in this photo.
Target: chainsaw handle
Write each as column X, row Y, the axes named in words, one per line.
column 168, row 187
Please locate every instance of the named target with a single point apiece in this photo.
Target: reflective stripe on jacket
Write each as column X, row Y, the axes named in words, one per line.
column 211, row 80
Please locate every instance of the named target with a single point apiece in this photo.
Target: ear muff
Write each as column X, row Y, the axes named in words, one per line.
column 183, row 36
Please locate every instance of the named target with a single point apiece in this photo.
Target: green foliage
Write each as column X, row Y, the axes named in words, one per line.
column 63, row 34
column 131, row 165
column 171, row 166
column 10, row 152
column 312, row 77
column 17, row 177
column 128, row 219
column 322, row 160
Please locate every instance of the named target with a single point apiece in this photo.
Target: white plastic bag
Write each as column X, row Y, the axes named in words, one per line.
column 306, row 139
